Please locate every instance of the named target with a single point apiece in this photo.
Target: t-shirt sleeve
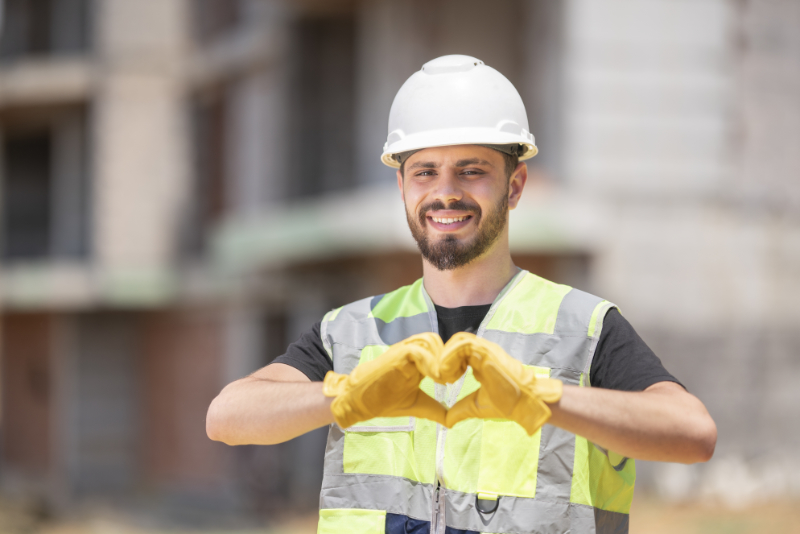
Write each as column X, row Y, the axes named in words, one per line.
column 308, row 355
column 622, row 360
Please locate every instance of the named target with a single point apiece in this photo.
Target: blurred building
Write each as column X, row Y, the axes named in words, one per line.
column 186, row 186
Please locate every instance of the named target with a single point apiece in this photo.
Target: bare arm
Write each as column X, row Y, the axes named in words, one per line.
column 663, row 423
column 273, row 405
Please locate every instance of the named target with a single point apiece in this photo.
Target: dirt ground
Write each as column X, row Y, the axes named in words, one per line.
column 648, row 516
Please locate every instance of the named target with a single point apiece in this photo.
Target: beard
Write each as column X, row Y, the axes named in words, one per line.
column 449, row 252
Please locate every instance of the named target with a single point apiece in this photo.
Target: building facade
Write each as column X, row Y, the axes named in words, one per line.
column 187, row 186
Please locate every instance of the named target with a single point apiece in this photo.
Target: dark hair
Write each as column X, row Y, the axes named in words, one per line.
column 510, row 162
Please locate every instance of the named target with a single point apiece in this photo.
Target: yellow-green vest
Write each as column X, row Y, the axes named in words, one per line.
column 551, row 482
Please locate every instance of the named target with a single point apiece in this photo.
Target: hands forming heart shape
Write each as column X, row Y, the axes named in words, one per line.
column 388, row 386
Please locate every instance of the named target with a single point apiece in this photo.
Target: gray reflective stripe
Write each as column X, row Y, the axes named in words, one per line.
column 402, row 327
column 334, row 451
column 354, row 333
column 556, row 461
column 556, row 453
column 396, row 495
column 567, row 359
column 520, row 515
column 345, row 357
column 399, row 495
column 575, row 313
column 326, row 342
column 354, row 311
column 545, row 350
column 347, row 340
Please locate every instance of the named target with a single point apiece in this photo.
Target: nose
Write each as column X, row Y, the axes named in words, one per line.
column 447, row 187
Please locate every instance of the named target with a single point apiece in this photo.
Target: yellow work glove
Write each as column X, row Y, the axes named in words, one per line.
column 388, row 386
column 509, row 390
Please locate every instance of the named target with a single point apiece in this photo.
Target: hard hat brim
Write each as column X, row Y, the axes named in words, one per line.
column 453, row 137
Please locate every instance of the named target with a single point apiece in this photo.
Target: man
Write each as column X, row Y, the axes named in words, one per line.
column 447, row 438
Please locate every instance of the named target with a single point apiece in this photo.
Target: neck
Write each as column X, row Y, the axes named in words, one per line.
column 474, row 284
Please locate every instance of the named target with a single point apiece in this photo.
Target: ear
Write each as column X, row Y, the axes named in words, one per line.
column 400, row 185
column 516, row 184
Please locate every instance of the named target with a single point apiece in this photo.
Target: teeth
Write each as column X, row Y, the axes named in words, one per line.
column 448, row 220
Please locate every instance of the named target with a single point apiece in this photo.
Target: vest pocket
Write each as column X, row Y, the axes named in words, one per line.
column 383, row 446
column 509, row 458
column 351, row 520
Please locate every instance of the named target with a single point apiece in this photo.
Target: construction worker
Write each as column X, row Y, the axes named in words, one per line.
column 436, row 394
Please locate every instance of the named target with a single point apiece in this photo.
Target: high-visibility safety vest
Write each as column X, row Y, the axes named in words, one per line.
column 481, row 475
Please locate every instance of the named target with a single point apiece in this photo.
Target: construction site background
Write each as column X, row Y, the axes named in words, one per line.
column 188, row 185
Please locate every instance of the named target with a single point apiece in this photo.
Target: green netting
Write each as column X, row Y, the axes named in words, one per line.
column 403, row 302
column 493, row 456
column 596, row 483
column 532, row 307
column 397, row 450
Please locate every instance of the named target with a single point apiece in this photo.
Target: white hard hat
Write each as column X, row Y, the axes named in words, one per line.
column 457, row 100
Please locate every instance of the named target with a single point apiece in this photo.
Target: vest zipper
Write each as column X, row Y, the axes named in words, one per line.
column 435, row 511
column 438, row 521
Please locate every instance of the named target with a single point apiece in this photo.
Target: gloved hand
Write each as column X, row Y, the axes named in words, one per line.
column 388, row 386
column 509, row 390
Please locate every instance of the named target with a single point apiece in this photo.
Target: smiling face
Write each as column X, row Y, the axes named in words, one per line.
column 457, row 200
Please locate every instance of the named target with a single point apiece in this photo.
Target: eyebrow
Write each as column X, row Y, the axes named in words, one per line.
column 423, row 165
column 472, row 161
column 459, row 163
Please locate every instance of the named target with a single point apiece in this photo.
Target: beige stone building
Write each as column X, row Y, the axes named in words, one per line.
column 186, row 186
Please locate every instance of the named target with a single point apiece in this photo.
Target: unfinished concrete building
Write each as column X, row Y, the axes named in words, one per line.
column 188, row 185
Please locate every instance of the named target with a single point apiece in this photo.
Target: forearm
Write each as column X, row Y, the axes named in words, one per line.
column 663, row 423
column 259, row 411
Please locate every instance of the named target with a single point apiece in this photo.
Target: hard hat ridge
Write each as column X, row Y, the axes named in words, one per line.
column 457, row 100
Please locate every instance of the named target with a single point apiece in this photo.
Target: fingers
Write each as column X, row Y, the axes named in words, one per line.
column 469, row 407
column 549, row 389
column 532, row 415
column 455, row 358
column 428, row 408
column 425, row 362
column 334, row 384
column 429, row 341
column 499, row 389
column 344, row 414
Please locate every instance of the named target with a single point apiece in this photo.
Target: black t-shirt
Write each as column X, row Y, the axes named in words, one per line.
column 622, row 361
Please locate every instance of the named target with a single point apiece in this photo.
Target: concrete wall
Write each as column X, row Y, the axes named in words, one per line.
column 681, row 125
column 140, row 144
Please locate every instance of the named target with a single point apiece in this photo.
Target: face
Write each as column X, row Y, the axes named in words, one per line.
column 457, row 200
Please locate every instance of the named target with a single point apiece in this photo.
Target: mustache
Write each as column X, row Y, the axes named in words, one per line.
column 459, row 205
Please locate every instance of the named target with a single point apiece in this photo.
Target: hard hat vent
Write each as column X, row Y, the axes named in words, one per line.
column 450, row 64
